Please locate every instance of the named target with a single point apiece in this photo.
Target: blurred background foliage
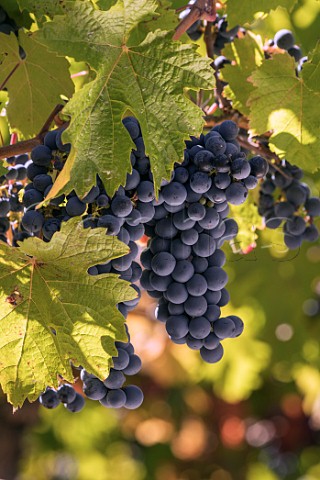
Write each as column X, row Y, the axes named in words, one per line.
column 253, row 416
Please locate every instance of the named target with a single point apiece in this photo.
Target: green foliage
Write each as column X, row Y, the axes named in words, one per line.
column 246, row 54
column 288, row 107
column 243, row 12
column 53, row 312
column 147, row 79
column 311, row 70
column 29, row 102
column 248, row 220
column 44, row 8
column 22, row 18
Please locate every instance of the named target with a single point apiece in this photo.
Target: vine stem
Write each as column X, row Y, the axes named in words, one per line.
column 200, row 10
column 27, row 145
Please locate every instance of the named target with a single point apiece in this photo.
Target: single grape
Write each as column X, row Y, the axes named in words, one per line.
column 199, row 327
column 224, row 328
column 94, row 389
column 134, row 396
column 115, row 379
column 66, row 393
column 174, row 193
column 32, row 221
column 212, row 356
column 77, row 404
column 163, row 263
column 284, row 39
column 177, row 326
column 134, row 365
column 49, row 399
column 177, row 293
column 122, row 360
column 75, row 207
column 197, row 285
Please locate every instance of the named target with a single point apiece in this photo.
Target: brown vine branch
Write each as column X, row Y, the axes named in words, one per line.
column 200, row 10
column 26, row 146
column 209, row 39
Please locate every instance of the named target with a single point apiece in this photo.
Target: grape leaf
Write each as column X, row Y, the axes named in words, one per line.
column 283, row 103
column 147, row 79
column 34, row 84
column 53, row 312
column 246, row 11
column 246, row 54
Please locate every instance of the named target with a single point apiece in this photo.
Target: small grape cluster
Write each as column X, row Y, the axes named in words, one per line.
column 284, row 39
column 284, row 199
column 183, row 262
column 11, row 184
column 222, row 34
column 111, row 393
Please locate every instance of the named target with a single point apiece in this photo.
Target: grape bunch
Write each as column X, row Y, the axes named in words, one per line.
column 96, row 209
column 222, row 35
column 183, row 264
column 284, row 39
column 285, row 200
column 11, row 184
column 111, row 393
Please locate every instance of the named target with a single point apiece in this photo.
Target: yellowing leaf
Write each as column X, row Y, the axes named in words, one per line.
column 147, row 78
column 53, row 312
column 34, row 84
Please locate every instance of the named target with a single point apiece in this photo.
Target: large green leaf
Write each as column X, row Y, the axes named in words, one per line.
column 34, row 84
column 147, row 79
column 53, row 312
column 285, row 105
column 246, row 11
column 246, row 54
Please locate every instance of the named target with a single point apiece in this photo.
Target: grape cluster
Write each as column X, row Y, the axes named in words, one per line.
column 284, row 39
column 11, row 184
column 183, row 262
column 222, row 34
column 285, row 200
column 111, row 393
column 116, row 215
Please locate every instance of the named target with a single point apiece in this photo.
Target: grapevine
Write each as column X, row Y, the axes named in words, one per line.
column 153, row 167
